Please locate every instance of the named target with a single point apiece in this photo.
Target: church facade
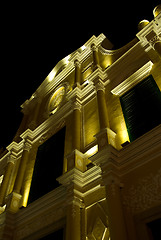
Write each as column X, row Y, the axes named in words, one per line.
column 85, row 161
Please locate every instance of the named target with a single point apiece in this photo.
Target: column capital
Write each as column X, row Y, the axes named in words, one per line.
column 99, row 85
column 11, row 158
column 27, row 145
column 77, row 63
column 93, row 47
column 153, row 38
column 76, row 104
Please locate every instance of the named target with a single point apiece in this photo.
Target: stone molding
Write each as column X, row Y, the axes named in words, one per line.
column 35, row 218
column 124, row 161
column 134, row 79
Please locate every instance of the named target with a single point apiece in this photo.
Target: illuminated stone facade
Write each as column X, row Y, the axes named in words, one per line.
column 110, row 185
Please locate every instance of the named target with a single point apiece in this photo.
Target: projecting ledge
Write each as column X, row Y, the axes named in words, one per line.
column 80, row 178
column 134, row 79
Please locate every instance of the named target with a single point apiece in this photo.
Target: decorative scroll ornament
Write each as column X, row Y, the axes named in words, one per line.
column 154, row 40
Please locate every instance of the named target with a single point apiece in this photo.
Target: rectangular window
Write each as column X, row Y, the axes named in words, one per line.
column 141, row 107
column 48, row 166
column 154, row 229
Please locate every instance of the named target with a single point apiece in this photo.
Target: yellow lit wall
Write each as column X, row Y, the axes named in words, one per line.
column 91, row 121
column 156, row 72
column 116, row 118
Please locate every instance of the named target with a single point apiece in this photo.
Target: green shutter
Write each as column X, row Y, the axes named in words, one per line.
column 142, row 108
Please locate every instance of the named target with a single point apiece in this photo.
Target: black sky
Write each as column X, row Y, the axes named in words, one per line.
column 34, row 37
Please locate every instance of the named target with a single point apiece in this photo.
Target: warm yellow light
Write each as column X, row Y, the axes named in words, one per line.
column 66, row 59
column 51, row 75
column 83, row 47
column 92, row 151
column 86, row 83
column 142, row 24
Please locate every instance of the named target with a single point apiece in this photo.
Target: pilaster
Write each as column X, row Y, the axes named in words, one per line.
column 74, row 203
column 95, row 56
column 102, row 107
column 107, row 161
column 115, row 208
column 76, row 142
column 14, row 199
column 6, row 179
column 76, row 158
column 22, row 167
column 77, row 82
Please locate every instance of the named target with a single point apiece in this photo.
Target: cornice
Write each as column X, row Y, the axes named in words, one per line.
column 98, row 75
column 134, row 79
column 126, row 65
column 154, row 26
column 79, row 178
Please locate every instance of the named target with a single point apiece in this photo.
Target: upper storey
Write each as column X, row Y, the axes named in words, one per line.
column 117, row 66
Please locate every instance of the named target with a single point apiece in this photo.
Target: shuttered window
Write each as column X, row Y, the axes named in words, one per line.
column 48, row 166
column 142, row 108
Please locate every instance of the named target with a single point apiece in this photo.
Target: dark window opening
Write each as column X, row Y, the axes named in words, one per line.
column 58, row 235
column 142, row 108
column 48, row 166
column 154, row 229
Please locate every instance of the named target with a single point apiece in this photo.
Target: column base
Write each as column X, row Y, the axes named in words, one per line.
column 13, row 202
column 105, row 137
column 76, row 159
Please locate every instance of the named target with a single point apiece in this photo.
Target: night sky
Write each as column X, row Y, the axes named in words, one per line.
column 34, row 37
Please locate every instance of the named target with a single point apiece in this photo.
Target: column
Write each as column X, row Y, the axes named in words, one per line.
column 105, row 136
column 76, row 157
column 6, row 178
column 102, row 108
column 76, row 126
column 77, row 81
column 95, row 56
column 22, row 167
column 14, row 199
column 73, row 222
column 74, row 228
column 115, row 209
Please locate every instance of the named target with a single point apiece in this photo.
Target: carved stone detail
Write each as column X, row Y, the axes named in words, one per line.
column 146, row 194
column 76, row 104
column 152, row 38
column 77, row 63
column 99, row 85
column 27, row 146
column 11, row 158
